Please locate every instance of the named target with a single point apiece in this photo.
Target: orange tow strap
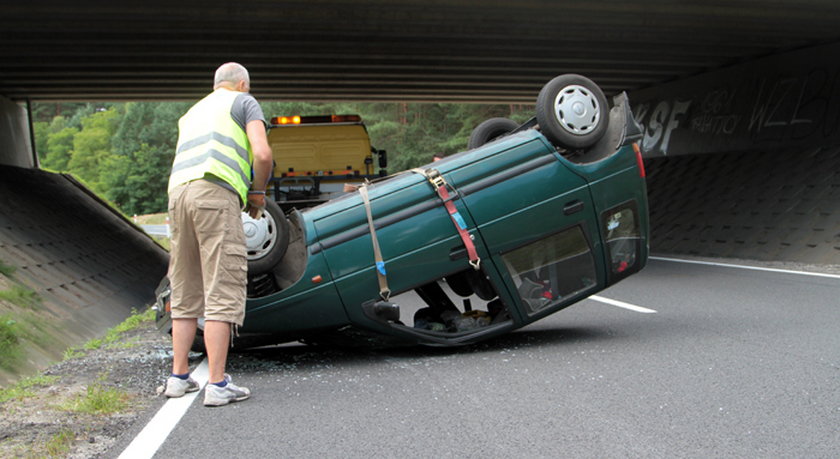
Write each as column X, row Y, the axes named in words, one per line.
column 439, row 184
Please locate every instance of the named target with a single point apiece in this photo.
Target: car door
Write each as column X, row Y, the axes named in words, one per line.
column 535, row 215
column 415, row 234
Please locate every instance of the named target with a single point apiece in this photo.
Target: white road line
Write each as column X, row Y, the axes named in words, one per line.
column 754, row 268
column 158, row 429
column 622, row 304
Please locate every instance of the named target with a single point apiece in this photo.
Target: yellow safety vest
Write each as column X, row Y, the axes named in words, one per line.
column 211, row 142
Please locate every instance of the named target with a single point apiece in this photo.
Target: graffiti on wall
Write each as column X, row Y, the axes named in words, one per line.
column 785, row 100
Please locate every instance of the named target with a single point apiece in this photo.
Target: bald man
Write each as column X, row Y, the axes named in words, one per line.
column 222, row 144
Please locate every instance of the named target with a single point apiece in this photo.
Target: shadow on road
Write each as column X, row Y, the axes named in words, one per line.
column 301, row 356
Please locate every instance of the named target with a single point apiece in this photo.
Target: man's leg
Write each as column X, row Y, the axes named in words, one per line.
column 224, row 274
column 183, row 335
column 187, row 298
column 216, row 341
column 221, row 389
column 185, row 278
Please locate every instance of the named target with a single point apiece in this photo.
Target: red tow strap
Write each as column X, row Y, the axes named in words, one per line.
column 439, row 184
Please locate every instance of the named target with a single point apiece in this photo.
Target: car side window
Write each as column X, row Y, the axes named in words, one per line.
column 551, row 269
column 621, row 226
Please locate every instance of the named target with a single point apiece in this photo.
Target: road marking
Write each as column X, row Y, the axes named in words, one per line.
column 754, row 268
column 149, row 439
column 622, row 304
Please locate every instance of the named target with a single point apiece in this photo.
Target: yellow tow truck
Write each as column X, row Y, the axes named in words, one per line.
column 314, row 156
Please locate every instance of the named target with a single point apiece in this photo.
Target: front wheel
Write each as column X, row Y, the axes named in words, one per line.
column 267, row 238
column 572, row 112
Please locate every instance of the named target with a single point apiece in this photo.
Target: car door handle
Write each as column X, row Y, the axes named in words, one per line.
column 573, row 207
column 457, row 252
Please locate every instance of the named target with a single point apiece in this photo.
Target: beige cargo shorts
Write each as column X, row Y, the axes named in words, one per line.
column 208, row 268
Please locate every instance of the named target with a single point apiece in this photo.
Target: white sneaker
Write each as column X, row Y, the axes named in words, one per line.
column 177, row 387
column 218, row 396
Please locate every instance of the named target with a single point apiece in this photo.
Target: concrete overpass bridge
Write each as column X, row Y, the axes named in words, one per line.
column 739, row 99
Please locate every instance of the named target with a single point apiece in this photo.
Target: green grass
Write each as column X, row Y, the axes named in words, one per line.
column 60, row 443
column 112, row 337
column 135, row 320
column 21, row 296
column 151, row 219
column 163, row 242
column 98, row 399
column 93, row 344
column 124, row 344
column 22, row 390
column 6, row 270
column 72, row 353
column 10, row 350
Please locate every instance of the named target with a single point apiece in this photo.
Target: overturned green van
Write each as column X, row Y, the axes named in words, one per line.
column 531, row 219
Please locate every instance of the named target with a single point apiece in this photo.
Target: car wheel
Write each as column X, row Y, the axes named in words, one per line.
column 572, row 112
column 481, row 285
column 490, row 130
column 266, row 238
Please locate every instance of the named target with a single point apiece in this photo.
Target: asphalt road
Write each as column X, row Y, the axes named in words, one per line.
column 734, row 363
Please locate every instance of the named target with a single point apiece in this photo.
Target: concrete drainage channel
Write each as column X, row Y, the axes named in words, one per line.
column 89, row 265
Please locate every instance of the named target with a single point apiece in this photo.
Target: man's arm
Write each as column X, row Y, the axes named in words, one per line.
column 262, row 164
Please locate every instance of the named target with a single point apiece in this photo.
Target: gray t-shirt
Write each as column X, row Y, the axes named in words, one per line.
column 246, row 109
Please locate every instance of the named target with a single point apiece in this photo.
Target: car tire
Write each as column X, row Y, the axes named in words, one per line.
column 490, row 130
column 481, row 285
column 572, row 112
column 267, row 240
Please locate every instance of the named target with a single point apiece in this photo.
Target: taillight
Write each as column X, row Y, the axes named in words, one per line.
column 639, row 161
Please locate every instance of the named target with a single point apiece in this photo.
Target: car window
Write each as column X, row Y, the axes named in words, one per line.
column 623, row 239
column 548, row 270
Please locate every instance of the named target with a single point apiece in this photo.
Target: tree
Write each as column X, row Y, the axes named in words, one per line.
column 125, row 151
column 40, row 130
column 144, row 146
column 92, row 147
column 59, row 145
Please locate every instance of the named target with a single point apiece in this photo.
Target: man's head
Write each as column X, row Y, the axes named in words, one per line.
column 232, row 76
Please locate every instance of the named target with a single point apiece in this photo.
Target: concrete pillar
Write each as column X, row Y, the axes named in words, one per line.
column 15, row 140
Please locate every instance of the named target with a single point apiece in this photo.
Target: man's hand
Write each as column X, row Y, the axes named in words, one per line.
column 255, row 206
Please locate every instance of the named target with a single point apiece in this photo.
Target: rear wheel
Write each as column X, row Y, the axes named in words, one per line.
column 572, row 112
column 266, row 238
column 490, row 130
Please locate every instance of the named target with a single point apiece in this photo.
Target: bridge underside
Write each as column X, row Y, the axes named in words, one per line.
column 406, row 50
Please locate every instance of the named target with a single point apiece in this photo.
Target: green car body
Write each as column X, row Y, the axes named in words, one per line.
column 550, row 230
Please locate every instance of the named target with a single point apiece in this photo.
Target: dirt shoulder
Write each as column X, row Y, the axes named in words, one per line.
column 66, row 412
